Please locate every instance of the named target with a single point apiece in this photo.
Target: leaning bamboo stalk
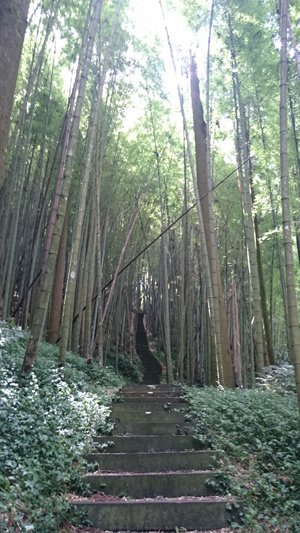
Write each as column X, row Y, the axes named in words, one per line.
column 204, row 185
column 207, row 276
column 119, row 265
column 78, row 227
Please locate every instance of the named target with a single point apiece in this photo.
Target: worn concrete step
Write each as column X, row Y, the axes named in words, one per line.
column 147, row 416
column 154, row 406
column 148, row 443
column 145, row 387
column 160, row 514
column 153, row 428
column 151, row 399
column 154, row 461
column 150, row 485
column 96, row 530
column 151, row 394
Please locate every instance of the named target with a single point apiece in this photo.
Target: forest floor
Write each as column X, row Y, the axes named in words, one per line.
column 258, row 432
column 47, row 426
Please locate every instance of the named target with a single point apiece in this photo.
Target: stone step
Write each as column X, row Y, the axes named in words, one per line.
column 151, row 394
column 154, row 461
column 150, row 485
column 147, row 416
column 146, row 406
column 97, row 530
column 154, row 428
column 145, row 387
column 159, row 514
column 152, row 399
column 148, row 443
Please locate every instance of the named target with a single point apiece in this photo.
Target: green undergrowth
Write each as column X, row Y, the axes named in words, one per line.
column 258, row 433
column 46, row 425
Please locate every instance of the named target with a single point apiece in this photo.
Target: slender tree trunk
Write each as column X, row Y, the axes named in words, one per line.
column 297, row 186
column 270, row 358
column 183, row 285
column 294, row 45
column 77, row 233
column 57, row 292
column 249, row 229
column 87, row 352
column 120, row 261
column 293, row 320
column 166, row 310
column 275, row 221
column 166, row 330
column 236, row 345
column 79, row 299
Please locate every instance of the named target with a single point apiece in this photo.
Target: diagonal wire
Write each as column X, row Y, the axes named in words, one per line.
column 165, row 231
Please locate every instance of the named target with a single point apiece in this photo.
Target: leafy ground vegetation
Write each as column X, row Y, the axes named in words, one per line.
column 258, row 431
column 46, row 425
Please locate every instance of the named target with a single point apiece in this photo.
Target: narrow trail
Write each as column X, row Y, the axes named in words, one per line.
column 151, row 366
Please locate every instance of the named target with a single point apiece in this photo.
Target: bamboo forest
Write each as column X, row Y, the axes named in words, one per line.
column 149, row 266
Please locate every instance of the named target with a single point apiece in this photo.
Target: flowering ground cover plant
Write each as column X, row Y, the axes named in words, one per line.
column 258, row 431
column 46, row 425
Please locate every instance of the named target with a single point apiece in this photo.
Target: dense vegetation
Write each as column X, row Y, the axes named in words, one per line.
column 258, row 433
column 47, row 422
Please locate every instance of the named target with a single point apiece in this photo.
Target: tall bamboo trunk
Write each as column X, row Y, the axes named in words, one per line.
column 236, row 344
column 293, row 320
column 297, row 185
column 204, row 187
column 294, row 45
column 87, row 351
column 72, row 276
column 57, row 292
column 79, row 300
column 166, row 310
column 183, row 287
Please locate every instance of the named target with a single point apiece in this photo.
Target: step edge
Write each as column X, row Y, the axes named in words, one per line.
column 163, row 501
column 163, row 453
column 171, row 473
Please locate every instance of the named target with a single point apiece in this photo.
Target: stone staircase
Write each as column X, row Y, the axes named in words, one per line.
column 151, row 476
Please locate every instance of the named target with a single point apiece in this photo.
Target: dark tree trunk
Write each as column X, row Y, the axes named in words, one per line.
column 13, row 22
